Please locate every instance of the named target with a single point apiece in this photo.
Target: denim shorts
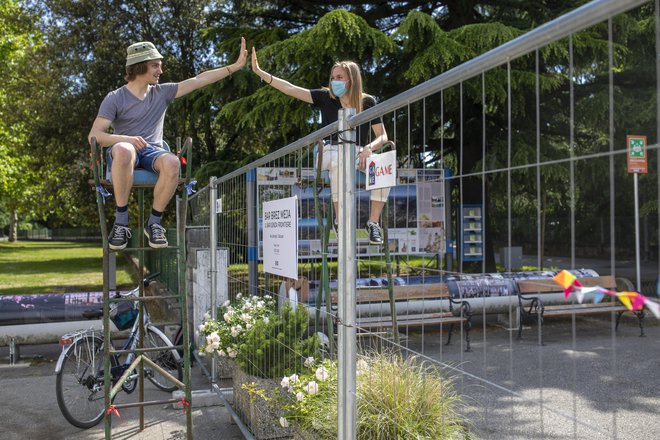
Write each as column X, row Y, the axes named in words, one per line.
column 144, row 158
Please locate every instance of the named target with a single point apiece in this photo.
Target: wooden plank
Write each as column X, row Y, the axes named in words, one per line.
column 401, row 293
column 584, row 309
column 412, row 323
column 404, row 317
column 548, row 285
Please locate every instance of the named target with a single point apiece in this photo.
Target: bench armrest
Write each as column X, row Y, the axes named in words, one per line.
column 466, row 308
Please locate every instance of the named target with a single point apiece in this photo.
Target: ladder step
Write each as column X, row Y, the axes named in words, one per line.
column 148, row 402
column 147, row 350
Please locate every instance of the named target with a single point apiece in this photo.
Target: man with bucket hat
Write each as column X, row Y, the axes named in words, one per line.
column 136, row 112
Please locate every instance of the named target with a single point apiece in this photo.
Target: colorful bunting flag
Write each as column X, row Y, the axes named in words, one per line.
column 632, row 300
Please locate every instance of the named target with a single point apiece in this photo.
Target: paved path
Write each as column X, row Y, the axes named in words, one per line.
column 585, row 383
column 28, row 407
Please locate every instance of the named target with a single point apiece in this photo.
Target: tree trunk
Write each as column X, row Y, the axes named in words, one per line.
column 13, row 225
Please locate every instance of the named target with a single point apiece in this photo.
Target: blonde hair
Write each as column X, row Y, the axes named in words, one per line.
column 355, row 94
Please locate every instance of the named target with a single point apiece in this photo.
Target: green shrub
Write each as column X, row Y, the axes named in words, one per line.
column 224, row 336
column 278, row 345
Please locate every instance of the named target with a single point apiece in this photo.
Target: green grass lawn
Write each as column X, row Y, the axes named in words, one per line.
column 28, row 267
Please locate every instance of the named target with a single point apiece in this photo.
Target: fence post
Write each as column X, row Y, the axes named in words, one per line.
column 252, row 231
column 213, row 270
column 346, row 269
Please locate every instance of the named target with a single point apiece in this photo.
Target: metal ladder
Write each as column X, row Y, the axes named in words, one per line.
column 100, row 185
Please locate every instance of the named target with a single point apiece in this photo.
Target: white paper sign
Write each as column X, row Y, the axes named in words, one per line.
column 381, row 170
column 280, row 237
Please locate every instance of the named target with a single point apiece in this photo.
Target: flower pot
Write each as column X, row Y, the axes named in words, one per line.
column 224, row 367
column 261, row 417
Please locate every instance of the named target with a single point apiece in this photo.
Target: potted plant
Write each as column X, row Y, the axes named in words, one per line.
column 396, row 398
column 224, row 336
column 265, row 344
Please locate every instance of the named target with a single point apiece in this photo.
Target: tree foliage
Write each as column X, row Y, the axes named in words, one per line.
column 397, row 44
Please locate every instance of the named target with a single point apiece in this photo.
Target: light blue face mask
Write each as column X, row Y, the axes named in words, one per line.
column 338, row 88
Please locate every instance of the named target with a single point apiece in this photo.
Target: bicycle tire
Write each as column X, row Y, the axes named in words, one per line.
column 167, row 359
column 79, row 383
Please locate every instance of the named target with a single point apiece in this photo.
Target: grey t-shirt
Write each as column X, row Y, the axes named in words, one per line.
column 131, row 117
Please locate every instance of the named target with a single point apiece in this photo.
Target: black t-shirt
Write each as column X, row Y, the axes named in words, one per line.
column 329, row 114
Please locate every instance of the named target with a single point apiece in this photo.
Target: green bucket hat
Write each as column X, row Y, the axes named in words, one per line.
column 142, row 51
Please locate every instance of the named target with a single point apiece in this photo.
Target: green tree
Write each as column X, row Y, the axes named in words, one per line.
column 17, row 40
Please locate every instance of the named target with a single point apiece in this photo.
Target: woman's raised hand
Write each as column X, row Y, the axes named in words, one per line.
column 242, row 56
column 255, row 64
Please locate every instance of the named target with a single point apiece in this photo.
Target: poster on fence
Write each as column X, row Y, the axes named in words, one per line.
column 280, row 237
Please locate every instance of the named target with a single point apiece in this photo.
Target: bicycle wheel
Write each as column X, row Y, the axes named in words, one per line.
column 79, row 383
column 167, row 359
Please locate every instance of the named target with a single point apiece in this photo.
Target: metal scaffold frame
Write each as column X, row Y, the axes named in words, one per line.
column 184, row 152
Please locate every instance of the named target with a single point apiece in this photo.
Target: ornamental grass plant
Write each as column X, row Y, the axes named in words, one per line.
column 397, row 398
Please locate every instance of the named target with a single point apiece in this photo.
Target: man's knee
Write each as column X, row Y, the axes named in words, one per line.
column 168, row 166
column 123, row 154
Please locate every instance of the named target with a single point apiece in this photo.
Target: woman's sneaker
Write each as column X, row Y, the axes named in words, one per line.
column 374, row 231
column 118, row 238
column 156, row 235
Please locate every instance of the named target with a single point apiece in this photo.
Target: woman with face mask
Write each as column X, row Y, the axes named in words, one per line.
column 344, row 91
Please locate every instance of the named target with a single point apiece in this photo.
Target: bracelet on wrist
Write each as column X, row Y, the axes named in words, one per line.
column 228, row 70
column 271, row 78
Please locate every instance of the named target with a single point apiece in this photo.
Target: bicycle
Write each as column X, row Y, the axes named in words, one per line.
column 79, row 369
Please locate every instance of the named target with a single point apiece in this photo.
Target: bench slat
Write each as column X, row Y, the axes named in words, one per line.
column 406, row 317
column 582, row 310
column 411, row 323
column 401, row 293
column 548, row 285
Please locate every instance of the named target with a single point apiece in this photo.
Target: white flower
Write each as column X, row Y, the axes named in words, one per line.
column 209, row 348
column 222, row 353
column 207, row 316
column 284, row 422
column 268, row 297
column 202, row 354
column 266, row 319
column 285, row 382
column 239, row 295
column 227, row 316
column 294, row 378
column 201, row 327
column 312, row 387
column 248, row 326
column 309, row 361
column 226, row 303
column 260, row 304
column 246, row 317
column 300, row 396
column 236, row 330
column 231, row 352
column 322, row 373
column 215, row 345
column 215, row 337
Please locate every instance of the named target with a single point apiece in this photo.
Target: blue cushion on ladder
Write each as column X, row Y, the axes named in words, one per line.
column 141, row 176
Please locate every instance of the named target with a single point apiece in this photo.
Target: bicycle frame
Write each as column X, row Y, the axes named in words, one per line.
column 131, row 343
